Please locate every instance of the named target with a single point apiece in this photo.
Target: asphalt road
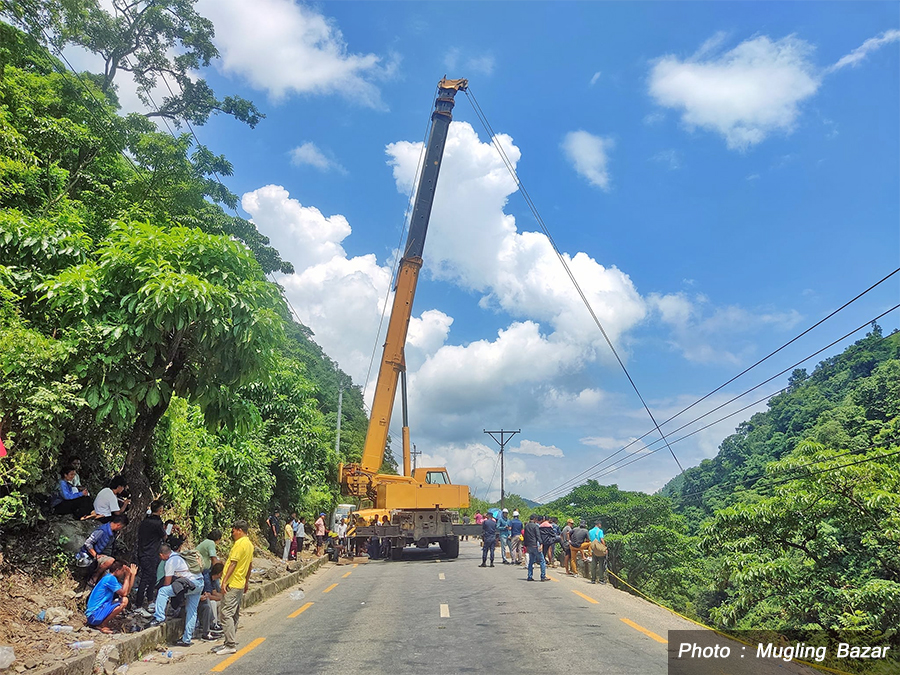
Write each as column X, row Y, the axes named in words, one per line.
column 428, row 615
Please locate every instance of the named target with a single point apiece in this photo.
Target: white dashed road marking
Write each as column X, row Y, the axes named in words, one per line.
column 445, row 611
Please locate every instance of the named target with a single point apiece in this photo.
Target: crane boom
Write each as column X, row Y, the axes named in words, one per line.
column 393, row 361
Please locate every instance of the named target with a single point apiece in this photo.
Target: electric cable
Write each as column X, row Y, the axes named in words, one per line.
column 567, row 485
column 743, row 372
column 758, row 479
column 566, row 267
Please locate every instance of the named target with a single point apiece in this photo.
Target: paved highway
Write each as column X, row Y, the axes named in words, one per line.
column 443, row 616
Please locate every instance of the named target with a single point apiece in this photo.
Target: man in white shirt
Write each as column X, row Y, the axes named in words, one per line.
column 107, row 504
column 342, row 535
column 178, row 577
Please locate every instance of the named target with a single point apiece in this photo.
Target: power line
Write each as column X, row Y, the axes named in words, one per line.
column 71, row 69
column 758, row 479
column 608, row 470
column 572, row 480
column 566, row 267
column 843, row 337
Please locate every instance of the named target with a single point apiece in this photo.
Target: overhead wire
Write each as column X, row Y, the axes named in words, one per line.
column 70, row 69
column 723, row 385
column 496, row 143
column 605, row 471
column 493, row 473
column 758, row 479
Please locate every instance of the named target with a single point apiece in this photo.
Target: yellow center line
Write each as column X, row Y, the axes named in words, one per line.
column 347, row 575
column 234, row 657
column 330, row 588
column 301, row 610
column 355, row 564
column 552, row 578
column 586, row 597
column 648, row 633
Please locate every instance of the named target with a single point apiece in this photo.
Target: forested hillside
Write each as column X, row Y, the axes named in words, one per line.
column 795, row 524
column 138, row 327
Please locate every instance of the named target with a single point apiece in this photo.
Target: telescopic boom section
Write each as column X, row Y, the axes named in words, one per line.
column 392, row 361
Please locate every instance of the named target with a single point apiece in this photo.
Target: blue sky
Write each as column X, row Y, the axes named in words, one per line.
column 721, row 175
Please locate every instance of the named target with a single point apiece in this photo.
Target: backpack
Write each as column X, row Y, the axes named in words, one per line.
column 193, row 560
column 598, row 548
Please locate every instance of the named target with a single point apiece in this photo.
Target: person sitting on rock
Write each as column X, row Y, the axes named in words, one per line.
column 70, row 498
column 110, row 596
column 98, row 547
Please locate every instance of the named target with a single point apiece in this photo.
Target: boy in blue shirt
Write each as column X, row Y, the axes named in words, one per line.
column 110, row 596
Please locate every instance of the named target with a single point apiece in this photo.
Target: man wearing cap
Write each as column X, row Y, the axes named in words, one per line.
column 320, row 534
column 488, row 539
column 503, row 534
column 515, row 539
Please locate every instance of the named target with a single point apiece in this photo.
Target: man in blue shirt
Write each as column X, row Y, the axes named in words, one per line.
column 598, row 553
column 515, row 539
column 110, row 596
column 97, row 544
column 488, row 539
column 503, row 534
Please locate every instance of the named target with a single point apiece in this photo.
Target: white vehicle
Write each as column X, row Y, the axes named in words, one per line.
column 340, row 511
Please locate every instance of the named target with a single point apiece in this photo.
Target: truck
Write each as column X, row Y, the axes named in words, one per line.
column 420, row 507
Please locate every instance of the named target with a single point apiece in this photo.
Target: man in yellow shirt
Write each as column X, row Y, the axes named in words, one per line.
column 235, row 583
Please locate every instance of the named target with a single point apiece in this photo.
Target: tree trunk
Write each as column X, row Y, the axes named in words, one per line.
column 135, row 467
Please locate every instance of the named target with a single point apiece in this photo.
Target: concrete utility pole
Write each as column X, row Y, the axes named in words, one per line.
column 337, row 440
column 503, row 440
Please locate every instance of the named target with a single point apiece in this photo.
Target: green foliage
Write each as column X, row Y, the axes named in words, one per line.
column 155, row 41
column 821, row 549
column 183, row 457
column 138, row 328
column 37, row 396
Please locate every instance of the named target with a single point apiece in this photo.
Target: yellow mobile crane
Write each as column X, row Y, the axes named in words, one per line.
column 419, row 504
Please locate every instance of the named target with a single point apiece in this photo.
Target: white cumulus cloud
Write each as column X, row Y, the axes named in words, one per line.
column 284, row 47
column 744, row 94
column 589, row 156
column 537, row 449
column 707, row 334
column 309, row 154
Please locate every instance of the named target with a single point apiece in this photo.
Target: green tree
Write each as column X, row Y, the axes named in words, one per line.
column 154, row 41
column 159, row 313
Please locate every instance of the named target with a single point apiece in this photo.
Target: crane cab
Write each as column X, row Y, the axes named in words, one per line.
column 431, row 475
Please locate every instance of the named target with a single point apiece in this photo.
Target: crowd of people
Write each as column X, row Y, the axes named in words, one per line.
column 161, row 577
column 535, row 543
column 290, row 540
column 167, row 578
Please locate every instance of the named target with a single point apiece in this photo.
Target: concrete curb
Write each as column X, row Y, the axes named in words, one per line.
column 133, row 646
